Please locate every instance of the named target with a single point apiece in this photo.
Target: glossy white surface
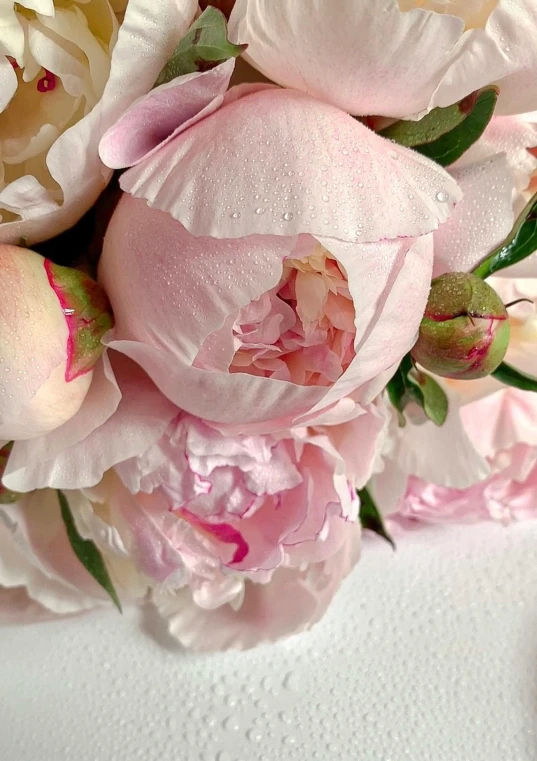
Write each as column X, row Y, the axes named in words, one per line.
column 426, row 655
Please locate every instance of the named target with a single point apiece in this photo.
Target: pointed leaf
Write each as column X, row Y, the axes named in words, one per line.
column 521, row 243
column 87, row 552
column 370, row 517
column 445, row 134
column 204, row 46
column 513, row 377
column 412, row 385
column 435, row 401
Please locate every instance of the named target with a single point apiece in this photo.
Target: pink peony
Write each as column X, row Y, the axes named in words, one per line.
column 216, row 527
column 279, row 271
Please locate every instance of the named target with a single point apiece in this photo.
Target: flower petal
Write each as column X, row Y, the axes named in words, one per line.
column 35, row 553
column 481, row 221
column 156, row 118
column 364, row 58
column 280, row 162
column 124, row 428
column 146, row 40
column 292, row 602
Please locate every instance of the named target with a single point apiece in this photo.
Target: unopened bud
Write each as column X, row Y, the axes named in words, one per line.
column 52, row 320
column 465, row 331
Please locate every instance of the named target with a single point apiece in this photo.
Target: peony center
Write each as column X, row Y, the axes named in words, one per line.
column 301, row 331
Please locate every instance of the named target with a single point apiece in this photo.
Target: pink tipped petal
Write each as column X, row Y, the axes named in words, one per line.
column 156, row 118
column 481, row 221
column 250, row 162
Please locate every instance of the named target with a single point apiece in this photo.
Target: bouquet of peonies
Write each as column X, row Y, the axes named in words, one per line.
column 303, row 306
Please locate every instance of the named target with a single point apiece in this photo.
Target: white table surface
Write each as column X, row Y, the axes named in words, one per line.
column 426, row 655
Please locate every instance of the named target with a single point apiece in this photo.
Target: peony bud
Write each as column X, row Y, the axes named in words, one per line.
column 52, row 320
column 465, row 331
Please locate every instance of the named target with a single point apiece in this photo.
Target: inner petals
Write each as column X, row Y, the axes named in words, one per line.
column 302, row 330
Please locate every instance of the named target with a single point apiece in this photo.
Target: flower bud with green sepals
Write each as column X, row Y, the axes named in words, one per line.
column 465, row 331
column 52, row 320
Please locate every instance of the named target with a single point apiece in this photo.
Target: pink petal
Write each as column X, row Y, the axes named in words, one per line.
column 251, row 161
column 501, row 420
column 366, row 58
column 481, row 221
column 74, row 461
column 388, row 311
column 194, row 299
column 156, row 118
column 514, row 136
column 293, row 601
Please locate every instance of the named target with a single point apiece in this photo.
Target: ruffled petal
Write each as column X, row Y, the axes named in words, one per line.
column 293, row 601
column 279, row 162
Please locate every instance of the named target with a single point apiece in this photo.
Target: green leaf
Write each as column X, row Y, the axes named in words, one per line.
column 204, row 46
column 513, row 377
column 445, row 134
column 87, row 552
column 521, row 243
column 412, row 385
column 370, row 517
column 435, row 401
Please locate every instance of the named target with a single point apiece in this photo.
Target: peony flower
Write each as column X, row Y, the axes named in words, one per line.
column 368, row 58
column 53, row 319
column 292, row 261
column 207, row 518
column 217, row 527
column 65, row 76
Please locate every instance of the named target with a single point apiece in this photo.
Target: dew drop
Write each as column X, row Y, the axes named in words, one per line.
column 260, row 210
column 288, row 216
column 442, row 196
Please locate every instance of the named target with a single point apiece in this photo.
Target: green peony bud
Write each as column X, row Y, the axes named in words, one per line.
column 465, row 331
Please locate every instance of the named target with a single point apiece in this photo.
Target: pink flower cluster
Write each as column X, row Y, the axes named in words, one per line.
column 267, row 266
